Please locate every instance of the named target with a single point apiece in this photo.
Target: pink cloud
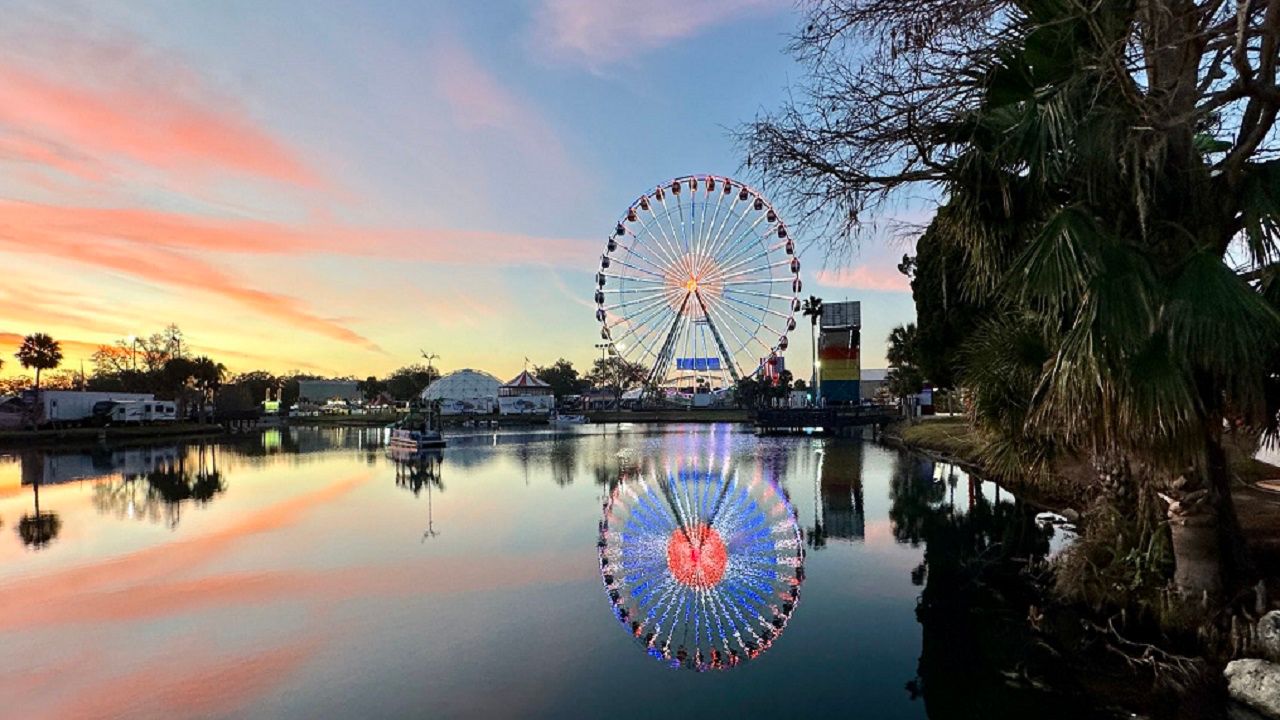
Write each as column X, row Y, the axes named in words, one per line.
column 602, row 32
column 157, row 114
column 863, row 277
column 175, row 231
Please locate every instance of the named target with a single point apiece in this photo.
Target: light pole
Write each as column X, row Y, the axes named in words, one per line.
column 133, row 356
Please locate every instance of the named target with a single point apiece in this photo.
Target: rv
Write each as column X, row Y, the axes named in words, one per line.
column 150, row 411
column 75, row 406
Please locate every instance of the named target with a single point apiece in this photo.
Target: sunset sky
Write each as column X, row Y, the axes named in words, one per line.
column 332, row 189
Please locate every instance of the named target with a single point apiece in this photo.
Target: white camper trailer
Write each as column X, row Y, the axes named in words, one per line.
column 75, row 406
column 148, row 411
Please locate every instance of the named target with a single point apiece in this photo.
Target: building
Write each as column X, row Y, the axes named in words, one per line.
column 319, row 392
column 872, row 383
column 525, row 394
column 464, row 392
column 839, row 353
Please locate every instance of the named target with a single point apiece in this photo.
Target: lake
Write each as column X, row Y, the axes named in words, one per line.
column 621, row 571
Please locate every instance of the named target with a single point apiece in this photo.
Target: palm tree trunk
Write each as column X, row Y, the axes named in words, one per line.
column 1210, row 557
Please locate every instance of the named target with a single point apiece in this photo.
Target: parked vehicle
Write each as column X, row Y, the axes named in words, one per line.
column 76, row 407
column 137, row 413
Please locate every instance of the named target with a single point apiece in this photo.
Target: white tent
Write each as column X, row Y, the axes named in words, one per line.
column 464, row 392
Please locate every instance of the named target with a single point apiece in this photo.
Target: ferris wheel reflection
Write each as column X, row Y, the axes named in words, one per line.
column 702, row 564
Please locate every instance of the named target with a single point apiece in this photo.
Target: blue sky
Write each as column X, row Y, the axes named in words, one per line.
column 334, row 187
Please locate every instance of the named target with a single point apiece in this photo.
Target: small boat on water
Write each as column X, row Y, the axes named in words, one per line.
column 558, row 419
column 409, row 434
column 416, row 439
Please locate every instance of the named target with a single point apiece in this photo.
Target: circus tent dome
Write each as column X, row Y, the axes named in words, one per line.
column 464, row 391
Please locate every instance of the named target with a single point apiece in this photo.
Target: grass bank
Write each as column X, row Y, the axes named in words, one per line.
column 91, row 435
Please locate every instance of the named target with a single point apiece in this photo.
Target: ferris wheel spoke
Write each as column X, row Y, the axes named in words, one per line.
column 669, row 245
column 734, row 236
column 746, row 317
column 720, row 346
column 754, row 293
column 738, row 370
column 750, row 334
column 632, row 251
column 636, row 290
column 760, row 281
column 678, row 242
column 723, row 237
column 749, row 271
column 648, row 340
column 632, row 278
column 664, row 262
column 639, row 269
column 757, row 307
column 757, row 242
column 641, row 317
column 700, row 249
column 639, row 305
column 726, row 269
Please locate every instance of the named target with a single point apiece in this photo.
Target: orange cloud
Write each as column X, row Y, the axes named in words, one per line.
column 163, row 118
column 9, row 342
column 166, row 267
column 864, row 277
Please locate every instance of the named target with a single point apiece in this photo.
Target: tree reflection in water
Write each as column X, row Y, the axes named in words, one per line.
column 40, row 529
column 980, row 656
column 159, row 495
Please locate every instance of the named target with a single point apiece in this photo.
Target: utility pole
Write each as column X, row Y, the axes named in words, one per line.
column 429, row 358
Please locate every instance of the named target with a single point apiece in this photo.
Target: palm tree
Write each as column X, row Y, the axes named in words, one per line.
column 207, row 376
column 41, row 352
column 812, row 309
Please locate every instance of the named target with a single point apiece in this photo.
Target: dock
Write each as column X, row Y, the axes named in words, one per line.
column 831, row 421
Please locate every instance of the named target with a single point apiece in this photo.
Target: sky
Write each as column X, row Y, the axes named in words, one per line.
column 336, row 187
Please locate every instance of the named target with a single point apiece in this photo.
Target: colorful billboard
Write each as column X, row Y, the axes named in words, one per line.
column 840, row 352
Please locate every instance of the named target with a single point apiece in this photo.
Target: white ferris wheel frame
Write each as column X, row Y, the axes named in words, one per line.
column 699, row 260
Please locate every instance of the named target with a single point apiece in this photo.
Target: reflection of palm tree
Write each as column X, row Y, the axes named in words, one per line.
column 40, row 529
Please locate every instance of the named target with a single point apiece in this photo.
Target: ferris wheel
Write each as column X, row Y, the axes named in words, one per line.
column 699, row 282
column 703, row 566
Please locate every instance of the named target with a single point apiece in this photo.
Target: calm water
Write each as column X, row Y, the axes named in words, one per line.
column 307, row 573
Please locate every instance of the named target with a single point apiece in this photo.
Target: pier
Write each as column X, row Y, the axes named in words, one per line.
column 835, row 420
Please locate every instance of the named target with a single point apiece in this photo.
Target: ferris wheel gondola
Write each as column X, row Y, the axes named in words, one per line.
column 699, row 283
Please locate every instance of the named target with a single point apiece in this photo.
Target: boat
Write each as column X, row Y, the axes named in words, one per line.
column 410, row 435
column 416, row 439
column 558, row 419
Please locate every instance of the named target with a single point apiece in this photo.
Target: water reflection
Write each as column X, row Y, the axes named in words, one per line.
column 702, row 566
column 416, row 471
column 978, row 651
column 185, row 476
column 40, row 529
column 840, row 496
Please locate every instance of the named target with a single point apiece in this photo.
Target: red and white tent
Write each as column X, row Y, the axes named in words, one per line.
column 526, row 383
